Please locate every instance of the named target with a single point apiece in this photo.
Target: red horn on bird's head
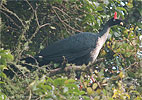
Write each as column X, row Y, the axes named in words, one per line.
column 115, row 15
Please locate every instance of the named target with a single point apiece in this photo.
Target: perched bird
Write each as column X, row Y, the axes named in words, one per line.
column 78, row 49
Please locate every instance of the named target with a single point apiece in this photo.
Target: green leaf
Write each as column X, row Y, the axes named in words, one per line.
column 99, row 8
column 2, row 82
column 86, row 97
column 81, row 92
column 69, row 81
column 49, row 80
column 44, row 87
column 122, row 9
column 59, row 81
column 2, row 75
column 5, row 56
column 2, row 67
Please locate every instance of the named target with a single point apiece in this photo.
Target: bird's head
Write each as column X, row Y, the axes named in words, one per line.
column 114, row 21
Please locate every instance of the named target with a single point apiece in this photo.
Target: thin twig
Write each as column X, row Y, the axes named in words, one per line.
column 7, row 10
column 10, row 19
column 61, row 11
column 65, row 13
column 64, row 22
column 30, row 95
column 135, row 63
column 44, row 25
column 10, row 64
column 37, row 18
column 34, row 11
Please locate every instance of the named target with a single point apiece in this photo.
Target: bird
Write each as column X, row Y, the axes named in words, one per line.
column 79, row 49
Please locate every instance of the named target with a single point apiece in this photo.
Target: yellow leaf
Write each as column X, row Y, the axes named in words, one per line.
column 104, row 81
column 52, row 27
column 98, row 91
column 89, row 91
column 130, row 5
column 125, row 31
column 103, row 53
column 115, row 93
column 118, row 50
column 121, row 75
column 96, row 71
column 32, row 84
column 132, row 28
column 66, row 82
column 136, row 27
column 113, row 46
column 97, row 98
column 85, row 84
column 95, row 85
column 128, row 96
column 108, row 46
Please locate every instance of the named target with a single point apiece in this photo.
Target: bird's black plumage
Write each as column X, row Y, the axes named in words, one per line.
column 74, row 49
column 78, row 49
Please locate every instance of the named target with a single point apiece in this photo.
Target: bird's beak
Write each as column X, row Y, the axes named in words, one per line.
column 121, row 23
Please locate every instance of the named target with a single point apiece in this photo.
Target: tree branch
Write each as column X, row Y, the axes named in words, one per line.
column 67, row 69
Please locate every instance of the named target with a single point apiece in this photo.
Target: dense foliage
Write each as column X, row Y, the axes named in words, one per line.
column 29, row 26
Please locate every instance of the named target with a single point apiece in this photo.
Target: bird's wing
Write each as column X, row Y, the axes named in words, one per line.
column 70, row 48
column 64, row 56
column 68, row 55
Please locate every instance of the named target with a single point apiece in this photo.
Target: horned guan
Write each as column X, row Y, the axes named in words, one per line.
column 78, row 49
